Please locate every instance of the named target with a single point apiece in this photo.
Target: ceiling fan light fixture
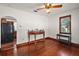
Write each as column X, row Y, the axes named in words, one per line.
column 47, row 10
column 48, row 4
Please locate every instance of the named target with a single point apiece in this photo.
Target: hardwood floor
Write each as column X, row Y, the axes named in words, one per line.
column 47, row 48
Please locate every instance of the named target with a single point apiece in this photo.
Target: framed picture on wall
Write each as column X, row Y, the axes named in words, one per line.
column 65, row 24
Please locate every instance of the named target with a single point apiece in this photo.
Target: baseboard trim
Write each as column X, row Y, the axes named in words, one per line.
column 27, row 43
column 47, row 38
column 22, row 44
column 72, row 44
column 32, row 42
column 75, row 45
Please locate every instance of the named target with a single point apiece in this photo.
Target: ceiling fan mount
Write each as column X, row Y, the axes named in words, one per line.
column 47, row 6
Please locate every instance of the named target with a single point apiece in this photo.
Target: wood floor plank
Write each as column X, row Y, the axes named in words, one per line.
column 47, row 48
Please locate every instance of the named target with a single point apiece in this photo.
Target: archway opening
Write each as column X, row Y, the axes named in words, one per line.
column 8, row 32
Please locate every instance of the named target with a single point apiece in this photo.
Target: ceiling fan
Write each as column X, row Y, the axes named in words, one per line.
column 48, row 6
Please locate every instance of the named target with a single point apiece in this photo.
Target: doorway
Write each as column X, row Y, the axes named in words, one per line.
column 8, row 32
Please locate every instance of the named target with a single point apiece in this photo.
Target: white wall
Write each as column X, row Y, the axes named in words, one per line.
column 28, row 20
column 54, row 24
column 25, row 21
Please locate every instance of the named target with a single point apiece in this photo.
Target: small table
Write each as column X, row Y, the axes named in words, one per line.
column 35, row 33
column 66, row 36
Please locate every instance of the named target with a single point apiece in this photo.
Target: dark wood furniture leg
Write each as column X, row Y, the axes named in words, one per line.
column 28, row 39
column 44, row 36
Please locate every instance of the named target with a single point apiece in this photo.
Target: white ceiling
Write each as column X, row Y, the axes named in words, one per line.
column 32, row 6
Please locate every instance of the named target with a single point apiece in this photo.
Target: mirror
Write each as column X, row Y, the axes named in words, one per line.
column 8, row 32
column 65, row 24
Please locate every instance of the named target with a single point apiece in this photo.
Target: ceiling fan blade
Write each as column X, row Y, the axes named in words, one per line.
column 56, row 6
column 40, row 8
